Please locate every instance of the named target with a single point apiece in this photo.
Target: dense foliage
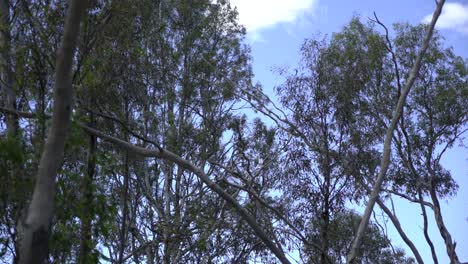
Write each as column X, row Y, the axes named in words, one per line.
column 175, row 77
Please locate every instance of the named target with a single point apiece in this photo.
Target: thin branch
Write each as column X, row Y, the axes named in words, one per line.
column 402, row 233
column 425, row 229
column 19, row 114
column 389, row 47
column 409, row 198
column 125, row 126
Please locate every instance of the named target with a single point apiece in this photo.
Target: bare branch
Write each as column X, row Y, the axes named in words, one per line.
column 17, row 113
column 425, row 229
column 125, row 126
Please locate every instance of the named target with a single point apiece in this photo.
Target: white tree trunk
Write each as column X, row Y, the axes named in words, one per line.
column 34, row 227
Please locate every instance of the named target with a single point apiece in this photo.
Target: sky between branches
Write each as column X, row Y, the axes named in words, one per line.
column 276, row 30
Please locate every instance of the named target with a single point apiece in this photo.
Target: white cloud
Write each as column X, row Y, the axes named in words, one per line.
column 454, row 16
column 260, row 14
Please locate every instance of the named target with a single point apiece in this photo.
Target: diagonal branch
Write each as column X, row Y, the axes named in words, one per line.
column 396, row 223
column 384, row 164
column 125, row 126
column 402, row 233
column 278, row 214
column 170, row 156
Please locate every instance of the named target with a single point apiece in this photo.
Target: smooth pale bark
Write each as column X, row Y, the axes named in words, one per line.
column 449, row 244
column 389, row 135
column 34, row 227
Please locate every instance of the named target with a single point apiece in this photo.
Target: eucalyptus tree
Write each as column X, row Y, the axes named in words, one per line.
column 249, row 169
column 12, row 156
column 396, row 115
column 36, row 30
column 434, row 120
column 159, row 164
column 176, row 68
column 337, row 106
column 330, row 122
column 172, row 70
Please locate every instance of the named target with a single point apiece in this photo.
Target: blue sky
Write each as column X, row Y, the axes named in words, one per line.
column 276, row 30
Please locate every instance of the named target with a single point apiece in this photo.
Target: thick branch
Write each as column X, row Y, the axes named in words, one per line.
column 17, row 113
column 449, row 244
column 426, row 233
column 283, row 218
column 167, row 155
column 402, row 233
column 388, row 137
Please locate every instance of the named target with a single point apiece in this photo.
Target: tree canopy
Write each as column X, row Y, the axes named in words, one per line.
column 126, row 136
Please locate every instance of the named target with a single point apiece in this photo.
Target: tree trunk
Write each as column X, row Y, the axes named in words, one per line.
column 324, row 234
column 8, row 94
column 123, row 228
column 34, row 228
column 167, row 214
